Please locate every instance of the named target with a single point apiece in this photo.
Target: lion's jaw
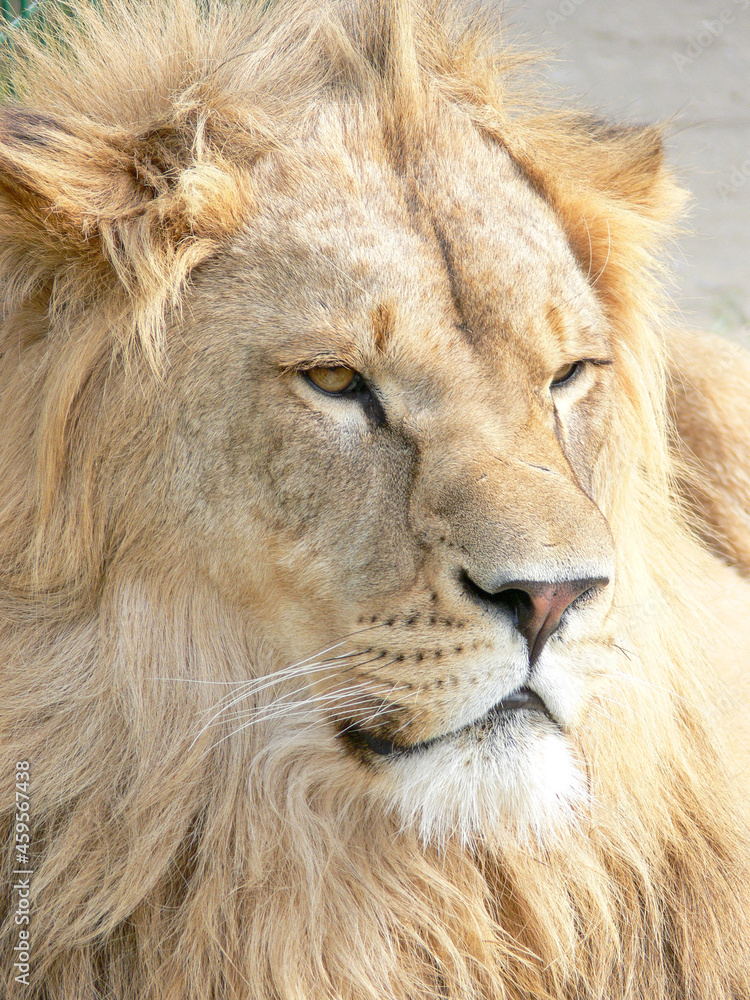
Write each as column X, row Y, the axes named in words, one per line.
column 365, row 516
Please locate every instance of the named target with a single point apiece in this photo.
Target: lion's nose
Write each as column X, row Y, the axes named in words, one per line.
column 535, row 608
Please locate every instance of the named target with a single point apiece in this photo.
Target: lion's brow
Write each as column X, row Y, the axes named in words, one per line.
column 383, row 325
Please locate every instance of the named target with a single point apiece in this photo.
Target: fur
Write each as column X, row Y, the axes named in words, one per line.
column 183, row 594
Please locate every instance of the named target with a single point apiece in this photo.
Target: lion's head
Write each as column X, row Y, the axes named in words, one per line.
column 342, row 571
column 406, row 487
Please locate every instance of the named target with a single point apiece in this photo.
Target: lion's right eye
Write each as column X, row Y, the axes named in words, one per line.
column 336, row 380
column 566, row 374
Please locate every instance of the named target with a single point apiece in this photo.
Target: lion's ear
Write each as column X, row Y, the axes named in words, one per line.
column 620, row 202
column 582, row 155
column 623, row 161
column 613, row 192
column 131, row 209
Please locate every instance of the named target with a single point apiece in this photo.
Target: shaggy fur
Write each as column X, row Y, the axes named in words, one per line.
column 199, row 202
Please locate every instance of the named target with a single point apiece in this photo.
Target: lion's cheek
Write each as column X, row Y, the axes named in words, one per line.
column 322, row 557
column 583, row 436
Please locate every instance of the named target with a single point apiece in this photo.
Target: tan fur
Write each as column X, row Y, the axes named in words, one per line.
column 711, row 406
column 212, row 574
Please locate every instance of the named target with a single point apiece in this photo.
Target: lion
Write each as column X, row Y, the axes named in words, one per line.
column 373, row 604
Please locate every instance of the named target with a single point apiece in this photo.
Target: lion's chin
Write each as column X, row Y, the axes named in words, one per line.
column 517, row 776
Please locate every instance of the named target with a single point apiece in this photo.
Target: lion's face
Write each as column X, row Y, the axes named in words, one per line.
column 352, row 636
column 392, row 393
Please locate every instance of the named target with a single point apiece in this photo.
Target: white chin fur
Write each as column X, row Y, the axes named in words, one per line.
column 521, row 779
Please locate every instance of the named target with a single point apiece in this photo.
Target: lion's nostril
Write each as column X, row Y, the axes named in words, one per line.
column 516, row 602
column 534, row 607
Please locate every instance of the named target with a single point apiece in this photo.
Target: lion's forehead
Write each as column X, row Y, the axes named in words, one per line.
column 446, row 242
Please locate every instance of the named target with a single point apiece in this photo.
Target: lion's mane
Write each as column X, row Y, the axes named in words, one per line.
column 170, row 864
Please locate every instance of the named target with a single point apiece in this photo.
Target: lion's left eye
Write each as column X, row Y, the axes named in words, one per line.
column 565, row 374
column 335, row 381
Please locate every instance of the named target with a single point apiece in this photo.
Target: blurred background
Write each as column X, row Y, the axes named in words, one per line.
column 685, row 63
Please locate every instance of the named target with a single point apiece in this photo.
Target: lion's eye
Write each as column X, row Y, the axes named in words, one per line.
column 335, row 381
column 565, row 374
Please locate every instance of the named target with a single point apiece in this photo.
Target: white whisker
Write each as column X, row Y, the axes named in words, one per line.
column 344, row 699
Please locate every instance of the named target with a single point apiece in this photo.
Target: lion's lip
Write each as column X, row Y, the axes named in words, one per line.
column 524, row 699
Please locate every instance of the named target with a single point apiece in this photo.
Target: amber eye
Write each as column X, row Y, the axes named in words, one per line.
column 565, row 373
column 334, row 380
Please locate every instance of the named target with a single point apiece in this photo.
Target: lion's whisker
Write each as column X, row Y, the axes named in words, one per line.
column 278, row 703
column 279, row 708
column 383, row 709
column 315, row 701
column 290, row 699
column 262, row 684
column 283, row 670
column 599, row 710
column 293, row 672
column 606, row 259
column 645, row 682
column 293, row 669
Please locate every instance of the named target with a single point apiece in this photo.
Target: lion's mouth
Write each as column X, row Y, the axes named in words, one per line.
column 522, row 700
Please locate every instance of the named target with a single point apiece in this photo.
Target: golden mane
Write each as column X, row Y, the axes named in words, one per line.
column 173, row 865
